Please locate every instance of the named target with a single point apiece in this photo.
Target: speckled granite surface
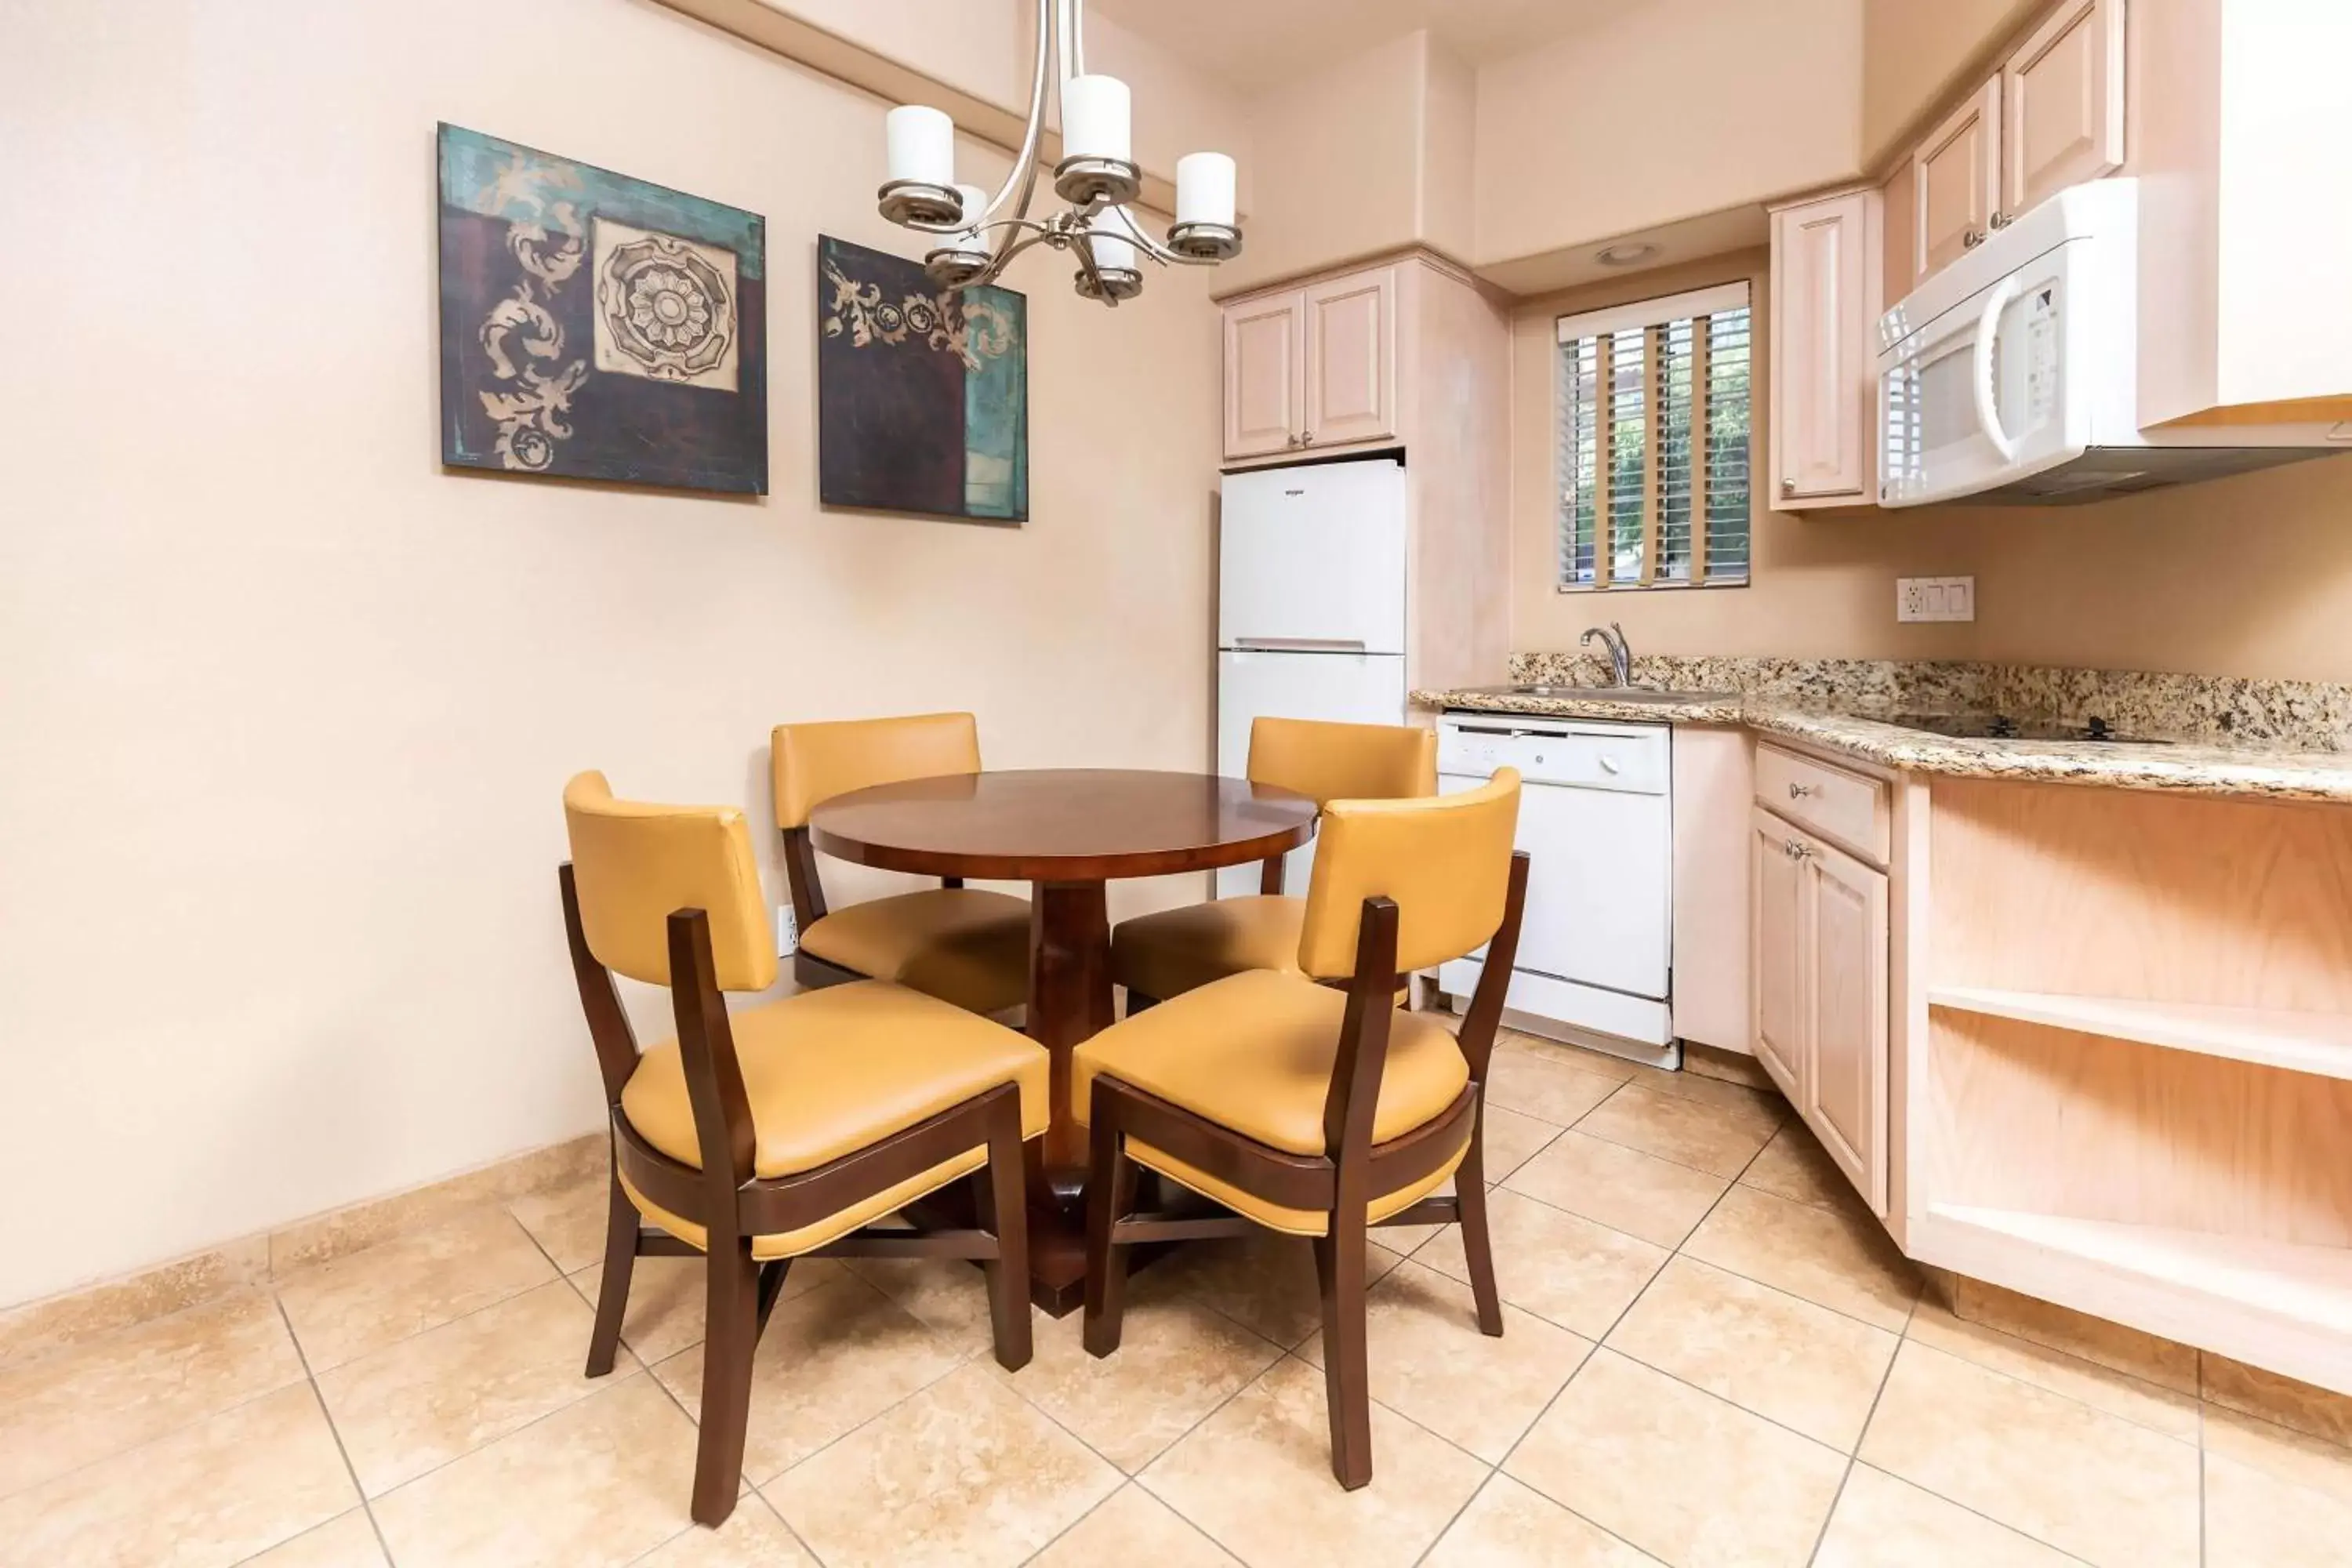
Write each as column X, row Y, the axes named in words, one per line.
column 2281, row 740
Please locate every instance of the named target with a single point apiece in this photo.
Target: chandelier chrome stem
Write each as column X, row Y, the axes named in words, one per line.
column 1097, row 176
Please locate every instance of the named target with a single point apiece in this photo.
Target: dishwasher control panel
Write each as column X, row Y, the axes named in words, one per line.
column 1633, row 759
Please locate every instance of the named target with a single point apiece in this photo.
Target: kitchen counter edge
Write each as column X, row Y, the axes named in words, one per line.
column 2186, row 769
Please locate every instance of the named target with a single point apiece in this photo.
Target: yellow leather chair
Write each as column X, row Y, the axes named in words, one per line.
column 1161, row 955
column 960, row 944
column 784, row 1130
column 1318, row 1112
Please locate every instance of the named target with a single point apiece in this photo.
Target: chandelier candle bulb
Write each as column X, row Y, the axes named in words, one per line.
column 1094, row 119
column 1114, row 251
column 1204, row 189
column 922, row 145
column 971, row 240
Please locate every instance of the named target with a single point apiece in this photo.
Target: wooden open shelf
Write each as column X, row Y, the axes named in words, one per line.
column 2280, row 1304
column 2298, row 1041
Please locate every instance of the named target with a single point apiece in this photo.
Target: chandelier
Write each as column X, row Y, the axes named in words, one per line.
column 980, row 234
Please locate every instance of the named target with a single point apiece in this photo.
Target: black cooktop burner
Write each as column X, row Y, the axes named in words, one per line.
column 2002, row 727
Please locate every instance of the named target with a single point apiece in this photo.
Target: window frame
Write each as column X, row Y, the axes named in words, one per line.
column 1578, row 443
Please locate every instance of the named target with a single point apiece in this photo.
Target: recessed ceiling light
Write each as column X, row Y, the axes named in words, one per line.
column 1632, row 255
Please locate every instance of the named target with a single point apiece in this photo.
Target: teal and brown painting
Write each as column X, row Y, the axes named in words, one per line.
column 922, row 394
column 598, row 327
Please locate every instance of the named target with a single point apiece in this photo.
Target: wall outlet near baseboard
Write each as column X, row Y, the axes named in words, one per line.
column 788, row 931
column 1934, row 598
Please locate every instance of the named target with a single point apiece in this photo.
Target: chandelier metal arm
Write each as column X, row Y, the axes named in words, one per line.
column 1096, row 184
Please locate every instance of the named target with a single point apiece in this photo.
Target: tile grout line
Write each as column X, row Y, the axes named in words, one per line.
column 318, row 1397
column 1598, row 1341
column 1854, row 1457
column 419, row 1333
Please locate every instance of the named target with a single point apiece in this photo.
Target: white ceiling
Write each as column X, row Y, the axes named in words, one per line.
column 1257, row 43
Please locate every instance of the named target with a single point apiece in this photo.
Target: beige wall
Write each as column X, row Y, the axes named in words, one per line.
column 1673, row 109
column 1914, row 51
column 289, row 706
column 1338, row 161
column 2250, row 576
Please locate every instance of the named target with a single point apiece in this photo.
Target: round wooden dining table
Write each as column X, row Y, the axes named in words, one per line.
column 1068, row 832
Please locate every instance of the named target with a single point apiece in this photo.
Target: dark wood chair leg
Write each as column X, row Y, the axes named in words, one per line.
column 621, row 1224
column 1477, row 1247
column 732, row 1332
column 771, row 1285
column 1005, row 1211
column 1110, row 1194
column 1347, row 1364
column 1137, row 1001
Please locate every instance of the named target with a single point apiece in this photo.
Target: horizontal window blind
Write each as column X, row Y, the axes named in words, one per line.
column 1651, row 442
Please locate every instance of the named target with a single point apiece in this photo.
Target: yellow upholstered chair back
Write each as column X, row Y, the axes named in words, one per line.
column 814, row 762
column 633, row 864
column 1445, row 860
column 1343, row 761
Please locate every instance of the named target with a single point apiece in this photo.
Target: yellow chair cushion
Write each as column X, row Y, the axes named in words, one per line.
column 960, row 944
column 1176, row 951
column 1253, row 1053
column 793, row 1243
column 1274, row 1217
column 832, row 1071
column 1445, row 860
column 810, row 763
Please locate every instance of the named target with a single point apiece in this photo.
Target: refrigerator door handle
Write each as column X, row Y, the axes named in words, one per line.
column 1300, row 645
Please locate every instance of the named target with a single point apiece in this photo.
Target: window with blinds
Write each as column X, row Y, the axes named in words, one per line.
column 1652, row 443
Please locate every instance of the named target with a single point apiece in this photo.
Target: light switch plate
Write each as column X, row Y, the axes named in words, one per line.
column 1936, row 598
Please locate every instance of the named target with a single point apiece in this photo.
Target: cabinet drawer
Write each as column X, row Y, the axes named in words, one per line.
column 1842, row 806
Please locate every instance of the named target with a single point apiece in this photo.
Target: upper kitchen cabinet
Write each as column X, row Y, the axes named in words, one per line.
column 1826, row 304
column 2062, row 99
column 1264, row 374
column 1955, row 182
column 1312, row 367
column 2052, row 116
column 1350, row 347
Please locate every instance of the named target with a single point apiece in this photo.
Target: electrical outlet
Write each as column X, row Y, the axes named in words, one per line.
column 1936, row 598
column 788, row 931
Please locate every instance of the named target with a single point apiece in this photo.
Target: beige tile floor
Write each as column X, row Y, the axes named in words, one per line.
column 1711, row 1358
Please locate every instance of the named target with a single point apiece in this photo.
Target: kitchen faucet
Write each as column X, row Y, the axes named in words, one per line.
column 1620, row 656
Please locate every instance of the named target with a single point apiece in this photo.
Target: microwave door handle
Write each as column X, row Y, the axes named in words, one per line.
column 1988, row 332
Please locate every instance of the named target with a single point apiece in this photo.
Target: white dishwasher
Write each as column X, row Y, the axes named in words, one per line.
column 1596, row 819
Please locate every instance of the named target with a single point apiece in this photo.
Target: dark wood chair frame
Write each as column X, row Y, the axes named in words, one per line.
column 1341, row 1181
column 733, row 1206
column 809, row 906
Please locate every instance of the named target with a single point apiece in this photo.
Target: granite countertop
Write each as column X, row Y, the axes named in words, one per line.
column 2192, row 765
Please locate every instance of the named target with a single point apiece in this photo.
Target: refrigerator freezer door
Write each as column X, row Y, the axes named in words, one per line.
column 1348, row 688
column 1313, row 559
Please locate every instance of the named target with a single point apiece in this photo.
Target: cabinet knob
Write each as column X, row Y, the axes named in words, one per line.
column 1799, row 791
column 1290, row 440
column 1307, row 439
column 2001, row 220
column 1787, row 487
column 1795, row 851
column 1971, row 239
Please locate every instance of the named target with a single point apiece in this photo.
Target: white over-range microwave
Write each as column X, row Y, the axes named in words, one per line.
column 2012, row 374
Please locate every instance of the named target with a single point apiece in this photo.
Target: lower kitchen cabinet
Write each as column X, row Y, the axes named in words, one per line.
column 1818, row 938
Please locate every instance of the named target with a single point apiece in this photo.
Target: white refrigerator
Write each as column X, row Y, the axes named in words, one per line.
column 1310, row 611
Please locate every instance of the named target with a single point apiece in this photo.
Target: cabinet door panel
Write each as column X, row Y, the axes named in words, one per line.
column 1956, row 181
column 2062, row 96
column 1776, row 969
column 1823, row 310
column 1845, row 1098
column 1263, row 390
column 1351, row 353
